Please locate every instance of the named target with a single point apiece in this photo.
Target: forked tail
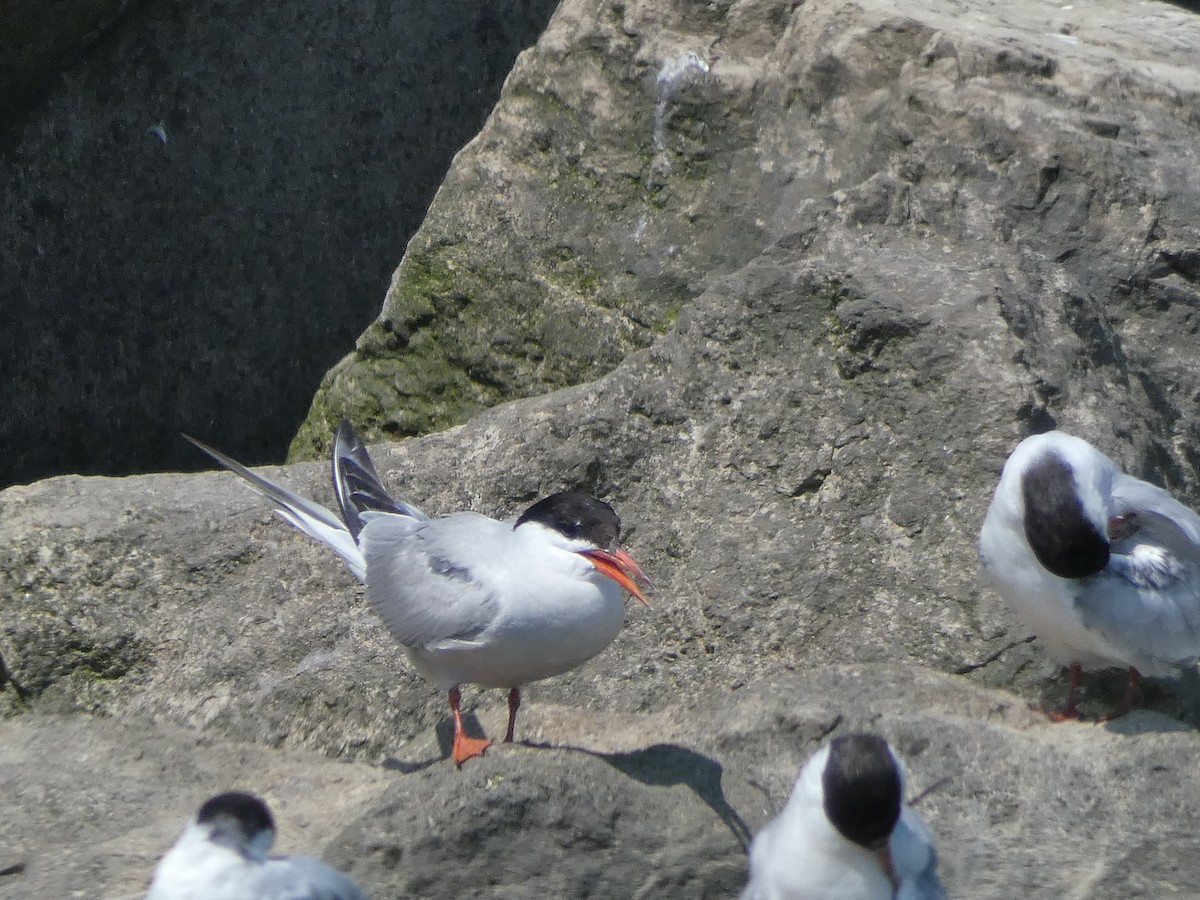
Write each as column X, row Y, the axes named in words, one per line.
column 311, row 518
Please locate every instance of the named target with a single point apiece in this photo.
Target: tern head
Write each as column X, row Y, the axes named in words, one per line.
column 862, row 787
column 1064, row 524
column 239, row 821
column 591, row 529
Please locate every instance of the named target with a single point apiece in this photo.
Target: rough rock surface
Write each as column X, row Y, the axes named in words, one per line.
column 202, row 213
column 802, row 461
column 1038, row 156
column 91, row 804
column 625, row 805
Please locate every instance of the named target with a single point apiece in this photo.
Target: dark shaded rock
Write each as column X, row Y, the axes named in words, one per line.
column 555, row 823
column 38, row 39
column 203, row 212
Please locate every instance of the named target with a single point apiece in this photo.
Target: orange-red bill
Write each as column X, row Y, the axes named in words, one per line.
column 621, row 568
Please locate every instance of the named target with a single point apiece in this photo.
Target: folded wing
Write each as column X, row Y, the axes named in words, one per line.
column 1148, row 597
column 914, row 859
column 304, row 878
column 427, row 579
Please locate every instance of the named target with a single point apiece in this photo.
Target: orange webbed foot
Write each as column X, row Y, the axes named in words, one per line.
column 468, row 748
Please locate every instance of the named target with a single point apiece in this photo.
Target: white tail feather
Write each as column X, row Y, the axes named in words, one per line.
column 311, row 518
column 338, row 539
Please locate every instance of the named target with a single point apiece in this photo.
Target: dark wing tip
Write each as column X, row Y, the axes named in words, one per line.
column 357, row 485
column 197, row 443
column 227, row 461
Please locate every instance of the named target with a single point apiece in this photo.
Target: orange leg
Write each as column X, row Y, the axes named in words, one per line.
column 1069, row 710
column 1133, row 693
column 464, row 747
column 514, row 703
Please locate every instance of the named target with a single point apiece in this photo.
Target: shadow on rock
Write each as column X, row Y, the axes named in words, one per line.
column 1166, row 704
column 445, row 738
column 663, row 765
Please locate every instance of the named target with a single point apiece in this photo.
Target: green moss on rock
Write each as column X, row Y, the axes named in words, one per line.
column 559, row 243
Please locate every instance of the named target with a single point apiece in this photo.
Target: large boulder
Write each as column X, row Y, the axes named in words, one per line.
column 945, row 225
column 1042, row 162
column 631, row 804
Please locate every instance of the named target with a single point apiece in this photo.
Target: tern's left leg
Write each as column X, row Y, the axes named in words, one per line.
column 1069, row 711
column 514, row 703
column 1133, row 693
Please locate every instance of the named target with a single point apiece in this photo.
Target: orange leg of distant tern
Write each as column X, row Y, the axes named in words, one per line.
column 1133, row 693
column 1069, row 710
column 514, row 703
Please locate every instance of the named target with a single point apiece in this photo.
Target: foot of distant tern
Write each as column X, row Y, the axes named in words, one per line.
column 514, row 703
column 464, row 747
column 1069, row 711
column 1131, row 697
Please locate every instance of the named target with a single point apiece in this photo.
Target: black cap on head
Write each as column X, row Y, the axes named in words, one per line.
column 862, row 789
column 249, row 812
column 576, row 515
column 1062, row 538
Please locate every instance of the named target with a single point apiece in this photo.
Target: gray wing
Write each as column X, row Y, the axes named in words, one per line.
column 429, row 580
column 304, row 878
column 914, row 859
column 1147, row 600
column 1161, row 518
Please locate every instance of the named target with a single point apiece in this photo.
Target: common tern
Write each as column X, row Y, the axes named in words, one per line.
column 472, row 599
column 222, row 855
column 845, row 832
column 1103, row 567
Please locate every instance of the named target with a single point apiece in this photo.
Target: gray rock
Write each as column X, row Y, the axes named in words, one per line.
column 179, row 598
column 1037, row 161
column 94, row 803
column 628, row 804
column 949, row 255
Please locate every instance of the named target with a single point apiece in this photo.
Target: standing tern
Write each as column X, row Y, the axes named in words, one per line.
column 222, row 855
column 1104, row 567
column 846, row 833
column 471, row 599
